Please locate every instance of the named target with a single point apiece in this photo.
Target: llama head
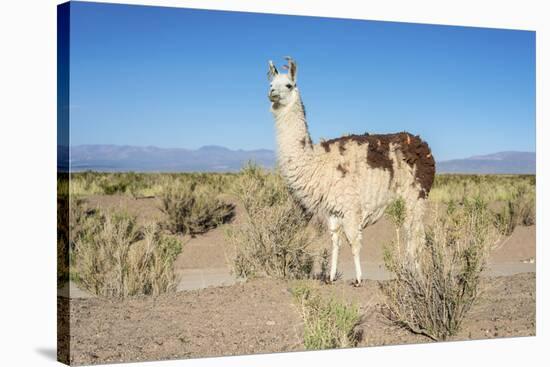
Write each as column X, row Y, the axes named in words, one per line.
column 282, row 87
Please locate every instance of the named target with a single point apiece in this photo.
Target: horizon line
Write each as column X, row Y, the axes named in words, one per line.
column 470, row 156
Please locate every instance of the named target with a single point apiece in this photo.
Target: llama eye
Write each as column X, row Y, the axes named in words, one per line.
column 289, row 86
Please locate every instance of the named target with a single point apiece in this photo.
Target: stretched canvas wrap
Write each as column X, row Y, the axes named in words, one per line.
column 203, row 212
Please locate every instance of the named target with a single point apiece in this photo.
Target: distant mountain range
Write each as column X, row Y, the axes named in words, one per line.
column 212, row 158
column 502, row 162
column 152, row 159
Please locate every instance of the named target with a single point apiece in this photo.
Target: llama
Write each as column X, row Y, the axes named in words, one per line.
column 349, row 180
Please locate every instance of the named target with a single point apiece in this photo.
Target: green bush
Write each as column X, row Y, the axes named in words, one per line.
column 328, row 323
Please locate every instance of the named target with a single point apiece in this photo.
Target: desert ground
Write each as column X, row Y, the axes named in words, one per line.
column 213, row 313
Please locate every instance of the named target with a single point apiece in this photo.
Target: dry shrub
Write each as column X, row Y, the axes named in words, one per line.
column 153, row 263
column 114, row 257
column 518, row 210
column 324, row 265
column 71, row 214
column 328, row 322
column 274, row 238
column 432, row 294
column 62, row 239
column 193, row 209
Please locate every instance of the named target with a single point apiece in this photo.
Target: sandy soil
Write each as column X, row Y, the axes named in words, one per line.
column 261, row 317
column 210, row 251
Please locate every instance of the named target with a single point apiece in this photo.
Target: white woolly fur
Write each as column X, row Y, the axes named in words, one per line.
column 338, row 185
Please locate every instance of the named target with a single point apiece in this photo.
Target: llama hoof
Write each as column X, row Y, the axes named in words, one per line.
column 357, row 283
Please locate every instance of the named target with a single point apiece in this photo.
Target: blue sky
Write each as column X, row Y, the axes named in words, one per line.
column 173, row 77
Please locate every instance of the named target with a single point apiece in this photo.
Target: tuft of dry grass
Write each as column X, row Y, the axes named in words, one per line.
column 140, row 185
column 328, row 322
column 193, row 209
column 114, row 257
column 433, row 293
column 491, row 188
column 274, row 239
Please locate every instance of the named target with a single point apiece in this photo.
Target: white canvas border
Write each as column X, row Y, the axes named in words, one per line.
column 28, row 120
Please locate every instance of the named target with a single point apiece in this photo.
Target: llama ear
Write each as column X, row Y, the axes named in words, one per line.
column 272, row 70
column 292, row 68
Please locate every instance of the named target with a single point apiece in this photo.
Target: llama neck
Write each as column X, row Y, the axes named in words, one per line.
column 293, row 141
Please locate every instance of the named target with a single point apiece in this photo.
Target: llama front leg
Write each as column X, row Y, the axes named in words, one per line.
column 354, row 235
column 335, row 233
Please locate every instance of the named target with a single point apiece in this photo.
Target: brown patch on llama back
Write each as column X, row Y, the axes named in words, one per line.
column 415, row 152
column 341, row 144
column 342, row 169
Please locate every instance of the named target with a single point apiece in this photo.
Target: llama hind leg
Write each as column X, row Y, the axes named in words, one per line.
column 334, row 224
column 354, row 235
column 414, row 227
